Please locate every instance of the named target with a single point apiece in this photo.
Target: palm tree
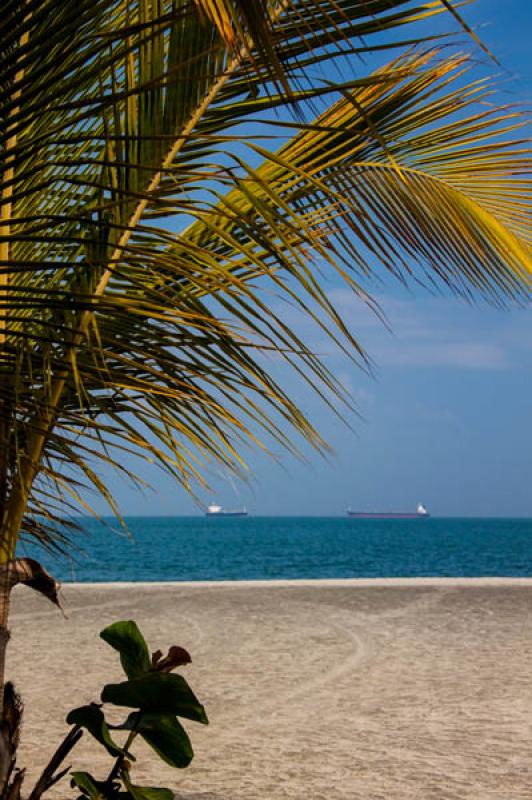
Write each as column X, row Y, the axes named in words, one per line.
column 253, row 135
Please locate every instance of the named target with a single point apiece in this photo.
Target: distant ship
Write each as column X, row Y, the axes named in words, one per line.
column 420, row 513
column 218, row 511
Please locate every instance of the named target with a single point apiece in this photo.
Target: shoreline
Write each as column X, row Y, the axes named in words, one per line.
column 365, row 583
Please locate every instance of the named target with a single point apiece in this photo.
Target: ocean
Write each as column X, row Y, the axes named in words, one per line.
column 252, row 548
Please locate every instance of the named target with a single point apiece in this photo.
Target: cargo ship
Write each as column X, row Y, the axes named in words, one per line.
column 420, row 513
column 217, row 511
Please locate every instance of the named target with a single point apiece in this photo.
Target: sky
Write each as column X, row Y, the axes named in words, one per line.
column 446, row 417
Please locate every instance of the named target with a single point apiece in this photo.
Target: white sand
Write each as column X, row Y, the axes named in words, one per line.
column 390, row 689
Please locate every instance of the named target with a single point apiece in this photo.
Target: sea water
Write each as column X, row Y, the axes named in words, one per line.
column 252, row 548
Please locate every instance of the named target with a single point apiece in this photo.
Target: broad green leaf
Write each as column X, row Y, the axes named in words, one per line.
column 168, row 738
column 163, row 693
column 92, row 718
column 87, row 784
column 130, row 643
column 165, row 734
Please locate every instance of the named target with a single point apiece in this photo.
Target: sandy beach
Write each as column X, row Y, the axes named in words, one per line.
column 396, row 689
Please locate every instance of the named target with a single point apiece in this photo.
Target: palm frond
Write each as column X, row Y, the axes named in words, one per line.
column 394, row 164
column 117, row 335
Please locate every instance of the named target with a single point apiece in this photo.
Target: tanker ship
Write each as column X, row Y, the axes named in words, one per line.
column 217, row 511
column 420, row 513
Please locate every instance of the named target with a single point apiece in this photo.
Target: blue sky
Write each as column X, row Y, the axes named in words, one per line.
column 447, row 416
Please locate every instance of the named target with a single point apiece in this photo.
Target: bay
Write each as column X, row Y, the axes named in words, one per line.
column 252, row 548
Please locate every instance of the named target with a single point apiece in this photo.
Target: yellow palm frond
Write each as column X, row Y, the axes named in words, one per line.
column 119, row 335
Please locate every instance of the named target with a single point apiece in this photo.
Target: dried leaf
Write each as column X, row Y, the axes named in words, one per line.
column 176, row 657
column 33, row 574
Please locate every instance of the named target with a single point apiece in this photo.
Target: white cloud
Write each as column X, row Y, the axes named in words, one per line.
column 462, row 355
column 423, row 332
column 427, row 331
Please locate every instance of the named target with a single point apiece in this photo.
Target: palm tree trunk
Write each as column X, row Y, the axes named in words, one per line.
column 5, row 593
column 6, row 212
column 30, row 572
column 6, row 741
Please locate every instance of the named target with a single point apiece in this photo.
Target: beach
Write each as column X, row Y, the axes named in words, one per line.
column 393, row 689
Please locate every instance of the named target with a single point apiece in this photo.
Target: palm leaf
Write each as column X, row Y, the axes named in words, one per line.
column 121, row 336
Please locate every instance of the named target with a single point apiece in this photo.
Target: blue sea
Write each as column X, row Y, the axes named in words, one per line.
column 252, row 548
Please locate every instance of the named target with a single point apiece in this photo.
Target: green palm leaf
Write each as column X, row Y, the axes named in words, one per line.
column 118, row 335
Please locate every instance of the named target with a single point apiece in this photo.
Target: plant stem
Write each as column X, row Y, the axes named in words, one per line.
column 120, row 760
column 49, row 776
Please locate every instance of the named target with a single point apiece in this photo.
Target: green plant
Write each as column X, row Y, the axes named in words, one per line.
column 157, row 698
